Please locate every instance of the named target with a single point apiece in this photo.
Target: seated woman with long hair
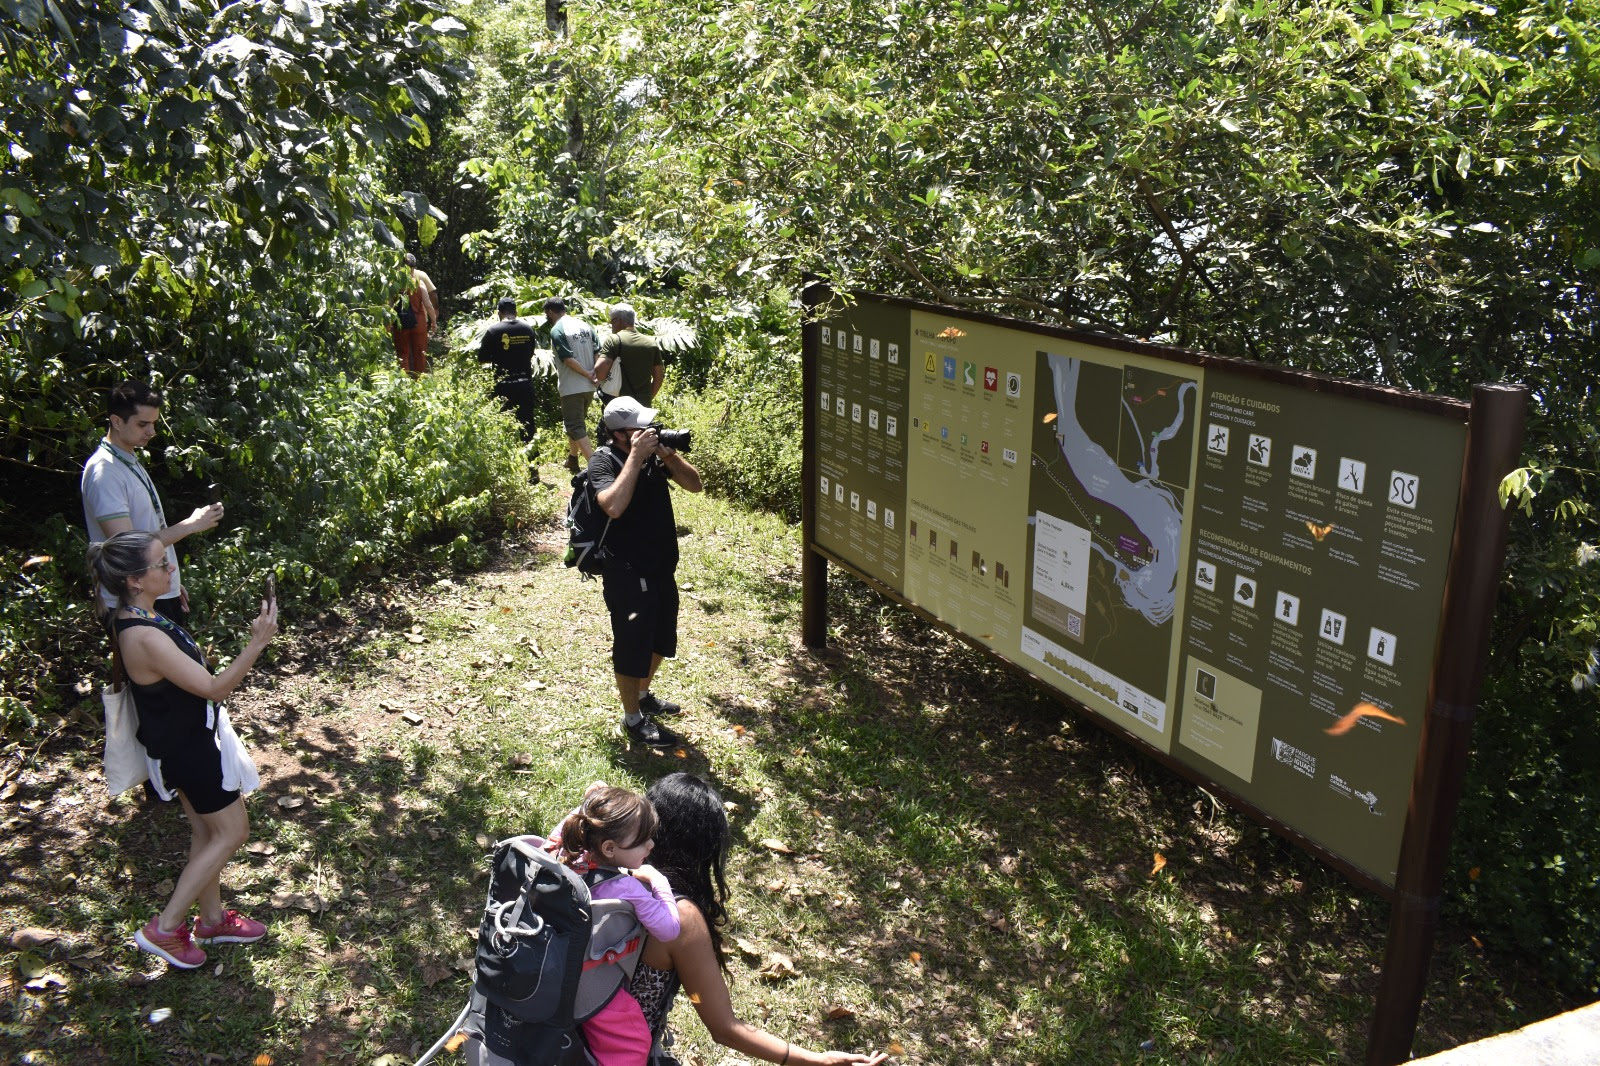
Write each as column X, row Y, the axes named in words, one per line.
column 175, row 695
column 692, row 849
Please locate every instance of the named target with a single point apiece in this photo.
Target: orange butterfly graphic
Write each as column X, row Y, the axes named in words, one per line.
column 1049, row 418
column 1359, row 711
column 1320, row 532
column 951, row 333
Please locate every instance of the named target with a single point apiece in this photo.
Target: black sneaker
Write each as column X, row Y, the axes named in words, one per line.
column 657, row 708
column 651, row 733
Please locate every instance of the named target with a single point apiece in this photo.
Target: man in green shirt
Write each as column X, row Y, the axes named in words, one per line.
column 639, row 356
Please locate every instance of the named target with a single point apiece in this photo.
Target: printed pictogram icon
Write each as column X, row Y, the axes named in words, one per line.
column 1205, row 575
column 1303, row 462
column 1287, row 610
column 1403, row 488
column 1014, row 385
column 1380, row 646
column 1244, row 591
column 991, row 379
column 1332, row 629
column 1352, row 475
column 1260, row 452
column 1217, row 439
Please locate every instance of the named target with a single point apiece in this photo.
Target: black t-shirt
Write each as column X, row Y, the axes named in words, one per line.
column 645, row 536
column 508, row 347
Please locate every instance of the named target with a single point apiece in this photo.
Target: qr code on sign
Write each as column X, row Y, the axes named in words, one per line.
column 1075, row 625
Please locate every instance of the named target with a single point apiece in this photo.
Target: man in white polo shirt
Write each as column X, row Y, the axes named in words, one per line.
column 118, row 494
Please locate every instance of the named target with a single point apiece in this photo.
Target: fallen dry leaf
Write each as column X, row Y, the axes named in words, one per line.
column 779, row 967
column 835, row 1013
column 746, row 947
column 262, row 1059
column 291, row 803
column 778, row 846
column 32, row 937
column 916, row 958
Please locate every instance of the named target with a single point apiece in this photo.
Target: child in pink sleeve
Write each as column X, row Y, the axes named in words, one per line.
column 612, row 830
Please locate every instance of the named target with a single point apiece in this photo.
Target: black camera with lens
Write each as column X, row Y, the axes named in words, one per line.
column 676, row 439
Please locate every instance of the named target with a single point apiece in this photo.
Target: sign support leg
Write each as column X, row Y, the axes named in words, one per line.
column 813, row 567
column 1494, row 445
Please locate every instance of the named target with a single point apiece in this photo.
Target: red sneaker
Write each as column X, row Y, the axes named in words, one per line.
column 234, row 928
column 175, row 947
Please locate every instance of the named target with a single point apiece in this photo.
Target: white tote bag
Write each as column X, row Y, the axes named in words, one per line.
column 124, row 756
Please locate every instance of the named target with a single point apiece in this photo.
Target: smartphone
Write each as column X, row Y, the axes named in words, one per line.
column 272, row 589
column 213, row 493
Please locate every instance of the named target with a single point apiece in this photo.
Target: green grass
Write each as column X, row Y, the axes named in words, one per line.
column 971, row 877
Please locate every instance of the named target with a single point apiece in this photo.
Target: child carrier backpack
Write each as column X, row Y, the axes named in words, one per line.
column 587, row 526
column 549, row 957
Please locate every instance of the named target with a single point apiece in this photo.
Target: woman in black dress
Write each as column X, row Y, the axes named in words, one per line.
column 175, row 694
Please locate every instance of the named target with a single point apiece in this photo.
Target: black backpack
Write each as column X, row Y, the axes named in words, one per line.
column 407, row 317
column 587, row 526
column 549, row 957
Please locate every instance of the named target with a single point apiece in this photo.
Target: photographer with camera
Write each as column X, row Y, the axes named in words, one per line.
column 630, row 475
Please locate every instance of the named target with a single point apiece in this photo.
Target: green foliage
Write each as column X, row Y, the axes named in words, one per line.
column 747, row 425
column 189, row 199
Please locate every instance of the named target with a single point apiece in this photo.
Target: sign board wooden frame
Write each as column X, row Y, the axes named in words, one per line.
column 1276, row 583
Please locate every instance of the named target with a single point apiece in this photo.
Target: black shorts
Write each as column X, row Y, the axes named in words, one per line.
column 197, row 773
column 644, row 618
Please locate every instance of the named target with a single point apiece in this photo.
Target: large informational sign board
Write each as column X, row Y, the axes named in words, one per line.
column 1241, row 567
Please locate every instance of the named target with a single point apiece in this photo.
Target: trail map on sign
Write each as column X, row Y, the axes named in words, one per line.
column 1113, row 451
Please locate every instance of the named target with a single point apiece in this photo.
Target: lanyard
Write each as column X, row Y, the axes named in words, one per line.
column 144, row 479
column 166, row 623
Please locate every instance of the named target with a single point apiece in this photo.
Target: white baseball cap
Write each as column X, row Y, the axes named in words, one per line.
column 627, row 413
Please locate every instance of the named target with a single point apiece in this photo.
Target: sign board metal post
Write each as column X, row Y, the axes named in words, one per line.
column 1494, row 443
column 813, row 567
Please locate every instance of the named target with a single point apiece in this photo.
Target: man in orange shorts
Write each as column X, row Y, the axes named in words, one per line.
column 416, row 315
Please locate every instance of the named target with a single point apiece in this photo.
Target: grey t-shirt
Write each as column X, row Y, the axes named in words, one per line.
column 573, row 338
column 116, row 485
